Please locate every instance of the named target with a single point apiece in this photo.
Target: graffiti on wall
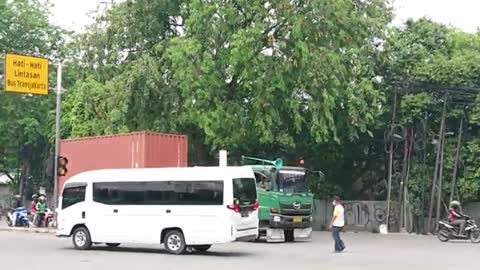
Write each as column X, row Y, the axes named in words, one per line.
column 362, row 213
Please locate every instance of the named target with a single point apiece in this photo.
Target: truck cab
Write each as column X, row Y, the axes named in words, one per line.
column 286, row 204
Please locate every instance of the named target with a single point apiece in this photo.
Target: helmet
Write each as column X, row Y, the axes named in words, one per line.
column 454, row 204
column 34, row 196
column 16, row 196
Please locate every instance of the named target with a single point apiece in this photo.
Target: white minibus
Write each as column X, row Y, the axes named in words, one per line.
column 178, row 207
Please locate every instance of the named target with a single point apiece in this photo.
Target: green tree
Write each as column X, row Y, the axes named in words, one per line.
column 25, row 120
column 280, row 79
column 440, row 58
column 253, row 77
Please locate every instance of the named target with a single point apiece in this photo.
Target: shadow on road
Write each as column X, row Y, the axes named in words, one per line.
column 465, row 242
column 264, row 241
column 162, row 251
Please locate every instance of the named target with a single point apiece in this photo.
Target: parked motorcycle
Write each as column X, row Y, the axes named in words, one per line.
column 447, row 231
column 21, row 218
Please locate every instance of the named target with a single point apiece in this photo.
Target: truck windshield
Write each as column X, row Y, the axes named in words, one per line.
column 292, row 181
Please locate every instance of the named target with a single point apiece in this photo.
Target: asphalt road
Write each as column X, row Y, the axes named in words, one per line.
column 19, row 250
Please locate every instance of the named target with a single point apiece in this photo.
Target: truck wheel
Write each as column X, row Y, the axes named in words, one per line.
column 175, row 242
column 289, row 236
column 81, row 238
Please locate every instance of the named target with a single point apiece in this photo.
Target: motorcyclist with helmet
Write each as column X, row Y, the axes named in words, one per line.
column 456, row 217
column 17, row 202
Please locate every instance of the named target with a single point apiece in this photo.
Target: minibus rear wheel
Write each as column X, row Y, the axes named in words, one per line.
column 174, row 242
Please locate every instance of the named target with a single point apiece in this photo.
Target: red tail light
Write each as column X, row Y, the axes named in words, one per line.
column 234, row 207
column 255, row 205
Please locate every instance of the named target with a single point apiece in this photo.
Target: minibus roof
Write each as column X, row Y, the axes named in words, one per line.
column 161, row 174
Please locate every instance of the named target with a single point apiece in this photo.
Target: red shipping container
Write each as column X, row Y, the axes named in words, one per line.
column 131, row 150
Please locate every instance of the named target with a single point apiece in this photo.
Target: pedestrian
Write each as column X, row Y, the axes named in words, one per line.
column 337, row 223
column 41, row 209
column 33, row 208
column 17, row 203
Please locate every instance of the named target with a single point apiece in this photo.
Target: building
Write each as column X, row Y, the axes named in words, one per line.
column 5, row 193
column 4, row 189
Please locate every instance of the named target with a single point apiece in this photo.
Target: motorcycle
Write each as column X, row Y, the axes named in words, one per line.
column 21, row 218
column 47, row 218
column 46, row 221
column 447, row 231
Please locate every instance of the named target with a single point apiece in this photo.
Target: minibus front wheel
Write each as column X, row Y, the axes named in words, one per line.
column 81, row 238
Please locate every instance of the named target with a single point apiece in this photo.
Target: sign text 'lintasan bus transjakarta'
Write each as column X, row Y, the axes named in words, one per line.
column 26, row 74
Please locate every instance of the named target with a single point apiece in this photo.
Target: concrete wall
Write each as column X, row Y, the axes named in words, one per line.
column 4, row 190
column 320, row 213
column 368, row 215
column 473, row 210
column 5, row 199
column 359, row 215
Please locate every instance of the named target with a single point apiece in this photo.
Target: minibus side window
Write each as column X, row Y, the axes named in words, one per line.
column 73, row 195
column 159, row 193
column 198, row 192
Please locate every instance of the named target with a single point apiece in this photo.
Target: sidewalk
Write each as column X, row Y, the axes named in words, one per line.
column 4, row 228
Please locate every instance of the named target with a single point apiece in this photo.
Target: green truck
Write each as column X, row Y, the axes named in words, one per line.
column 285, row 200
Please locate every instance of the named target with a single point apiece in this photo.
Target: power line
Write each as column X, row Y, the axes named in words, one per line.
column 457, row 95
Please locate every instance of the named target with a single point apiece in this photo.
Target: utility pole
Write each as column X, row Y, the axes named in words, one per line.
column 437, row 164
column 425, row 171
column 440, row 181
column 457, row 160
column 390, row 161
column 403, row 181
column 58, row 112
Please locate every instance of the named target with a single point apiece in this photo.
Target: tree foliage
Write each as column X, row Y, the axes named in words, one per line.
column 26, row 121
column 263, row 78
column 439, row 57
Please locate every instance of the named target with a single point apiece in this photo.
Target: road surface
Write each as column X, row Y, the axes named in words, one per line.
column 20, row 250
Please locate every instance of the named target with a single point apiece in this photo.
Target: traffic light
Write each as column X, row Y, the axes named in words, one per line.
column 62, row 166
column 301, row 162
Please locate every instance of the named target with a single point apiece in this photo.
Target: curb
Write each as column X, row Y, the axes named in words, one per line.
column 28, row 230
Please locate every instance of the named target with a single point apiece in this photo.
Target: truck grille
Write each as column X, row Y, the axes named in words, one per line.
column 295, row 209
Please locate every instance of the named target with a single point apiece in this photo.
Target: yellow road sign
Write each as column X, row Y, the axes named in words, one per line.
column 26, row 74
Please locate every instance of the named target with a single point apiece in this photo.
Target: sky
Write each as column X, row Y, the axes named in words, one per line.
column 72, row 14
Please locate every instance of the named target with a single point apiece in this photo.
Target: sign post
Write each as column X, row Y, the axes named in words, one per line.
column 26, row 74
column 57, row 135
column 29, row 75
